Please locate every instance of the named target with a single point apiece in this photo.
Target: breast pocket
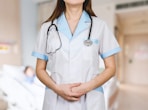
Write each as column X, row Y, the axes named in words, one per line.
column 91, row 51
column 53, row 41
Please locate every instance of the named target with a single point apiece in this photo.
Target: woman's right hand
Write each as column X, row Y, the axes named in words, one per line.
column 65, row 91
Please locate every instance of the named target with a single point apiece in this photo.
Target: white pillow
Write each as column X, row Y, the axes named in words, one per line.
column 13, row 70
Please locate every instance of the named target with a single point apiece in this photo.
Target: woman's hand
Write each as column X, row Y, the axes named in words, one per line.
column 65, row 91
column 82, row 89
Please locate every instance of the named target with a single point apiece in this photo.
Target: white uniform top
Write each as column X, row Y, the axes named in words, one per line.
column 75, row 62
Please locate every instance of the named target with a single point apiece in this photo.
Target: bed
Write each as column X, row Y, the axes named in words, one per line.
column 17, row 93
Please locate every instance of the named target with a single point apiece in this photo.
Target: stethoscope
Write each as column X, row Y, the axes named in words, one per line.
column 87, row 42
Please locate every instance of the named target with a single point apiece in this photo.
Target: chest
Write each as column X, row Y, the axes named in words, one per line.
column 74, row 47
column 72, row 25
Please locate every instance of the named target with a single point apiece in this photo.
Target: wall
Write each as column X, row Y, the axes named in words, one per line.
column 106, row 12
column 45, row 10
column 136, row 59
column 120, row 36
column 10, row 52
column 28, row 30
column 18, row 29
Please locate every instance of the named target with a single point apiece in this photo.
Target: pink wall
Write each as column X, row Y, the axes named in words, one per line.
column 10, row 52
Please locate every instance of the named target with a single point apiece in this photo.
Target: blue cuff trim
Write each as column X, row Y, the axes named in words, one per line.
column 99, row 89
column 111, row 52
column 40, row 56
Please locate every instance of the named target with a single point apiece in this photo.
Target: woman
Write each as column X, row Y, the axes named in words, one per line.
column 73, row 57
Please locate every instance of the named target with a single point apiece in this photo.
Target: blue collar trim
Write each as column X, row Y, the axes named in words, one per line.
column 83, row 24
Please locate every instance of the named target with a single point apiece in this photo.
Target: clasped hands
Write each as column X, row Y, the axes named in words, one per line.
column 72, row 92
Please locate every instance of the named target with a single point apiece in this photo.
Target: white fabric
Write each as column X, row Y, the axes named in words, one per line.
column 19, row 94
column 75, row 62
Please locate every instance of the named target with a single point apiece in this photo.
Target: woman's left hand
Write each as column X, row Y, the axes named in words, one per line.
column 83, row 88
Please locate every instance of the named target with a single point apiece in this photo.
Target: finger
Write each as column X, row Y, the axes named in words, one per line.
column 75, row 85
column 76, row 94
column 73, row 98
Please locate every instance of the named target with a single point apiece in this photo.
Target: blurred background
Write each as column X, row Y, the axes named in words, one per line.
column 20, row 21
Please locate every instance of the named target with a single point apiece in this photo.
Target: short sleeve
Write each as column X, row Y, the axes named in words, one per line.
column 40, row 46
column 108, row 43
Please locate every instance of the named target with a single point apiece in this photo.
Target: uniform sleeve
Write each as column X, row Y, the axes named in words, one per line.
column 108, row 43
column 40, row 47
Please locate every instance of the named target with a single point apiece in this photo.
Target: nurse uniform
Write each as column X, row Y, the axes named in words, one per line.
column 75, row 62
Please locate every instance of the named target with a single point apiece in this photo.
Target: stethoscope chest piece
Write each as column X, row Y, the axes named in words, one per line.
column 88, row 42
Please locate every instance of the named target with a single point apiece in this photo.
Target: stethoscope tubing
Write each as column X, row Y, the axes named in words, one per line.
column 90, row 27
column 87, row 42
column 52, row 24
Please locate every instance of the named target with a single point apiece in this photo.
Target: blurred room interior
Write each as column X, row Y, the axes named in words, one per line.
column 20, row 21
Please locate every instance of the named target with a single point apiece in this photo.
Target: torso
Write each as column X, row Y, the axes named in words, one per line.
column 73, row 63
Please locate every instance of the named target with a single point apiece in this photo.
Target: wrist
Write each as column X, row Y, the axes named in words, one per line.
column 56, row 88
column 91, row 85
column 88, row 86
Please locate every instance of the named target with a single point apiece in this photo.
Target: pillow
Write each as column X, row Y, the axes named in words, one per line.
column 13, row 70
